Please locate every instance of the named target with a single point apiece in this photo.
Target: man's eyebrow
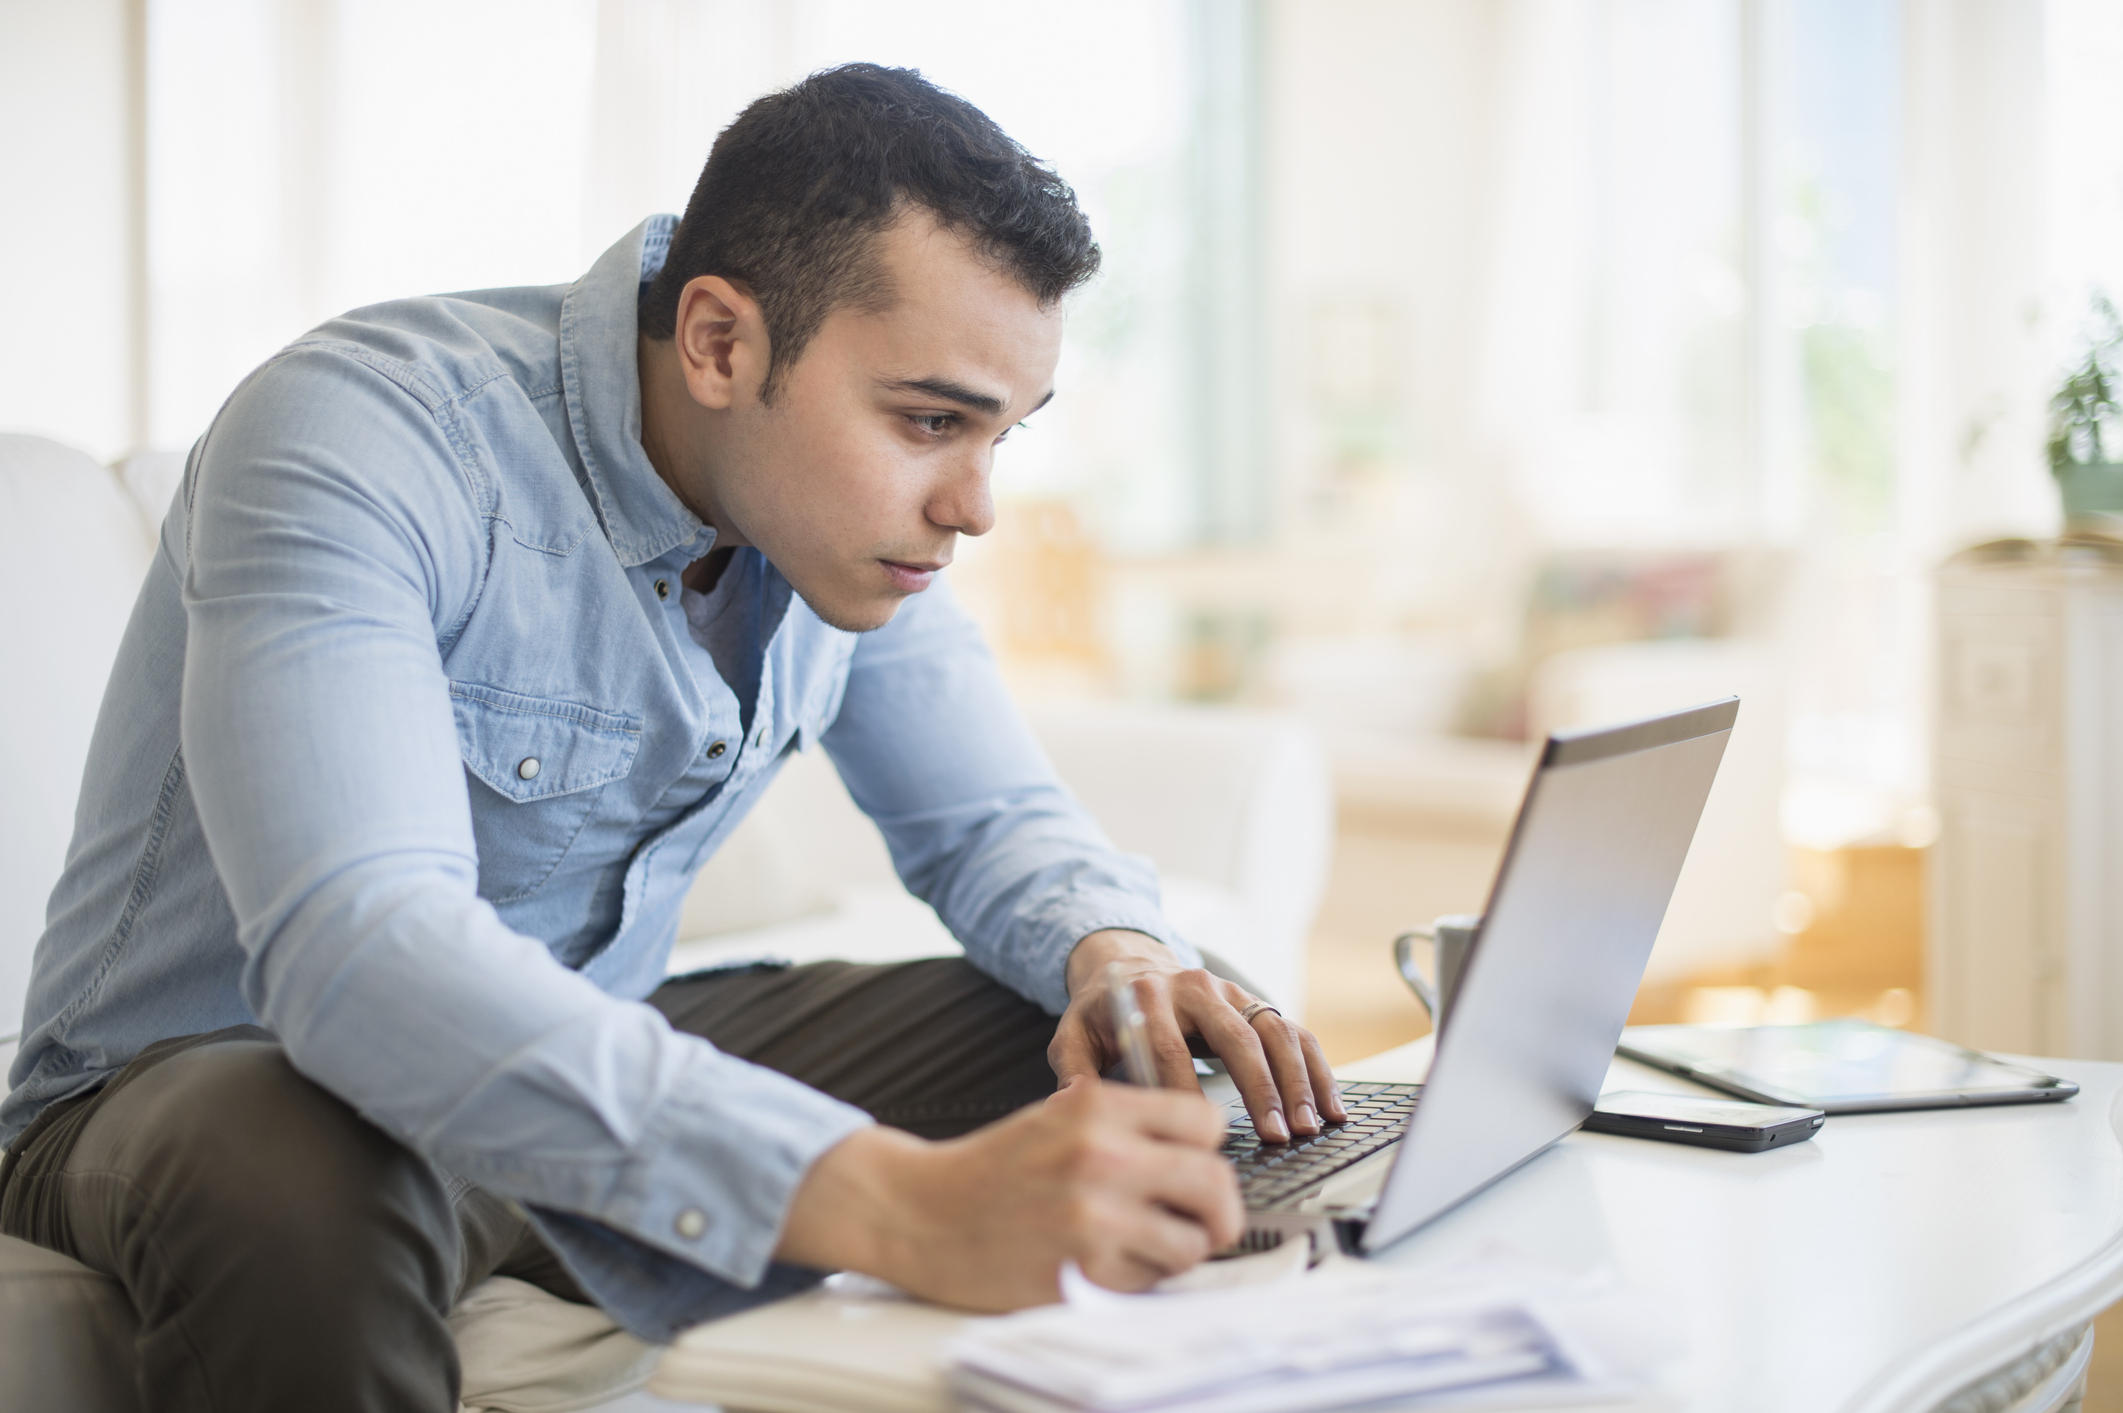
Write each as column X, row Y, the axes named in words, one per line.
column 959, row 393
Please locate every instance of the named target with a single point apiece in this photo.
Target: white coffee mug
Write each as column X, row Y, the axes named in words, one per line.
column 1451, row 937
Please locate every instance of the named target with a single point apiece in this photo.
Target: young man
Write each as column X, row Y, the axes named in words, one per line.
column 478, row 623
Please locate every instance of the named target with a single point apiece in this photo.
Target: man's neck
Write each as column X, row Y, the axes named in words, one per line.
column 675, row 431
column 663, row 402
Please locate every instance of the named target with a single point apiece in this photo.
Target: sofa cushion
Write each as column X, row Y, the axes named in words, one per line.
column 69, row 1334
column 525, row 1351
column 1233, row 807
column 1237, row 799
column 66, row 1342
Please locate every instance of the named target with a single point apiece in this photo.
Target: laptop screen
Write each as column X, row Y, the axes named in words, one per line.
column 1526, row 1041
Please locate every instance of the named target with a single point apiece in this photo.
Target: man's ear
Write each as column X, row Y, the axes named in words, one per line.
column 722, row 342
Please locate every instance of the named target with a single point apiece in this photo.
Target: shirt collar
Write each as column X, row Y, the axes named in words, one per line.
column 602, row 383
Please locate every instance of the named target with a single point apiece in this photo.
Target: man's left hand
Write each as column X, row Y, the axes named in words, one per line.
column 1278, row 1067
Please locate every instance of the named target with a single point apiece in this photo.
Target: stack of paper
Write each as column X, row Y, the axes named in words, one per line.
column 1492, row 1333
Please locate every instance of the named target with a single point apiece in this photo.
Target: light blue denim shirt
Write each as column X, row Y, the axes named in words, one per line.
column 409, row 757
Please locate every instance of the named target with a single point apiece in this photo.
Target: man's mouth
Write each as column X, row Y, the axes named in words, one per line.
column 910, row 577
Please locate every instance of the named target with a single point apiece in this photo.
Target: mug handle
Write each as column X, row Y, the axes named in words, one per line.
column 1404, row 958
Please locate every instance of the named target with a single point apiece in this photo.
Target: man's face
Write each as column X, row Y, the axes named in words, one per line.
column 876, row 452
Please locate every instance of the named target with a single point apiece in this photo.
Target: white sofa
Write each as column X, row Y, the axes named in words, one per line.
column 1234, row 807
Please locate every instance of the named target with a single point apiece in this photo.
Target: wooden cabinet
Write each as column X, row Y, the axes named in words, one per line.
column 2025, row 950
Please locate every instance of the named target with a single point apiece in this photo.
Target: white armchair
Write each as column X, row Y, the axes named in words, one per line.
column 74, row 546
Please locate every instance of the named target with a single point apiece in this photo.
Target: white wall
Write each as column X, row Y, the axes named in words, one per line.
column 64, row 356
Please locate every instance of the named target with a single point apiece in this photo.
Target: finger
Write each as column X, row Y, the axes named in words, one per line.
column 1163, row 1210
column 1325, row 1091
column 1115, row 1269
column 1286, row 1057
column 1164, row 1243
column 1168, row 1043
column 1266, row 1064
column 1075, row 1087
column 1136, row 1257
column 1169, row 1115
column 1238, row 1045
column 1203, row 1188
column 1075, row 1053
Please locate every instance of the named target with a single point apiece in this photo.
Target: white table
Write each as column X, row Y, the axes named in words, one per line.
column 1884, row 1267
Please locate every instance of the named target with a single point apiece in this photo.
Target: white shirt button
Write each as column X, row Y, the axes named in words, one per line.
column 691, row 1223
column 528, row 768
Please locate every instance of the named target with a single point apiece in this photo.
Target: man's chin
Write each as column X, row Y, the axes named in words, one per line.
column 861, row 616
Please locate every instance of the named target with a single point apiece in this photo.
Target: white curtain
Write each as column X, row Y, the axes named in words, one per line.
column 308, row 157
column 1974, row 354
column 65, row 223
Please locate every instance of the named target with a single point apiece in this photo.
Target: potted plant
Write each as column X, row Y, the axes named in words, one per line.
column 2086, row 430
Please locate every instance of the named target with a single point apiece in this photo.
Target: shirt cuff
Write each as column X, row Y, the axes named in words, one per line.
column 653, row 1296
column 720, row 1160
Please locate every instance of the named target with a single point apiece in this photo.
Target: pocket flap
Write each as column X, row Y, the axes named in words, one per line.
column 533, row 748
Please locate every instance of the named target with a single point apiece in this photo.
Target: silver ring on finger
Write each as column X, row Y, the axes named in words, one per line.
column 1255, row 1009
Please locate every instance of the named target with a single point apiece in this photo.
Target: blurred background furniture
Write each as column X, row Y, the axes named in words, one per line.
column 2026, row 937
column 1431, row 744
column 1233, row 806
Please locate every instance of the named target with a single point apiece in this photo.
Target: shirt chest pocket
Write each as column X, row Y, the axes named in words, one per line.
column 538, row 767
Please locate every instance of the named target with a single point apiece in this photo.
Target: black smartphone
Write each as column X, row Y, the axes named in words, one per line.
column 1712, row 1123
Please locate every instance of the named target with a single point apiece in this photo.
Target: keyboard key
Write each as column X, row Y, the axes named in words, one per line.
column 1277, row 1174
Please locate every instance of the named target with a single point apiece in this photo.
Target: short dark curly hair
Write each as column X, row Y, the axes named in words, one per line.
column 799, row 186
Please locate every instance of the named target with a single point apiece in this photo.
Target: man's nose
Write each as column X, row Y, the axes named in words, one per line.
column 964, row 502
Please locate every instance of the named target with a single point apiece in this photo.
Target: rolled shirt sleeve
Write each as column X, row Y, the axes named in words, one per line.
column 934, row 750
column 334, row 539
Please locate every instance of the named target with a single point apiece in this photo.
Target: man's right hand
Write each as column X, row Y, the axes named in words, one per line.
column 1126, row 1182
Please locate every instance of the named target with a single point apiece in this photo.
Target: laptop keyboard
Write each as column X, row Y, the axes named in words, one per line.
column 1278, row 1174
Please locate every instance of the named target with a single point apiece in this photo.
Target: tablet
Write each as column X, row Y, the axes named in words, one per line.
column 1839, row 1066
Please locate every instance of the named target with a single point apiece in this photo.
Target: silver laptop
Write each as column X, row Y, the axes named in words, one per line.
column 1525, row 1041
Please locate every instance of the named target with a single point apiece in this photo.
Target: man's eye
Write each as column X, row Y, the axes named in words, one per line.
column 933, row 423
column 1012, row 428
